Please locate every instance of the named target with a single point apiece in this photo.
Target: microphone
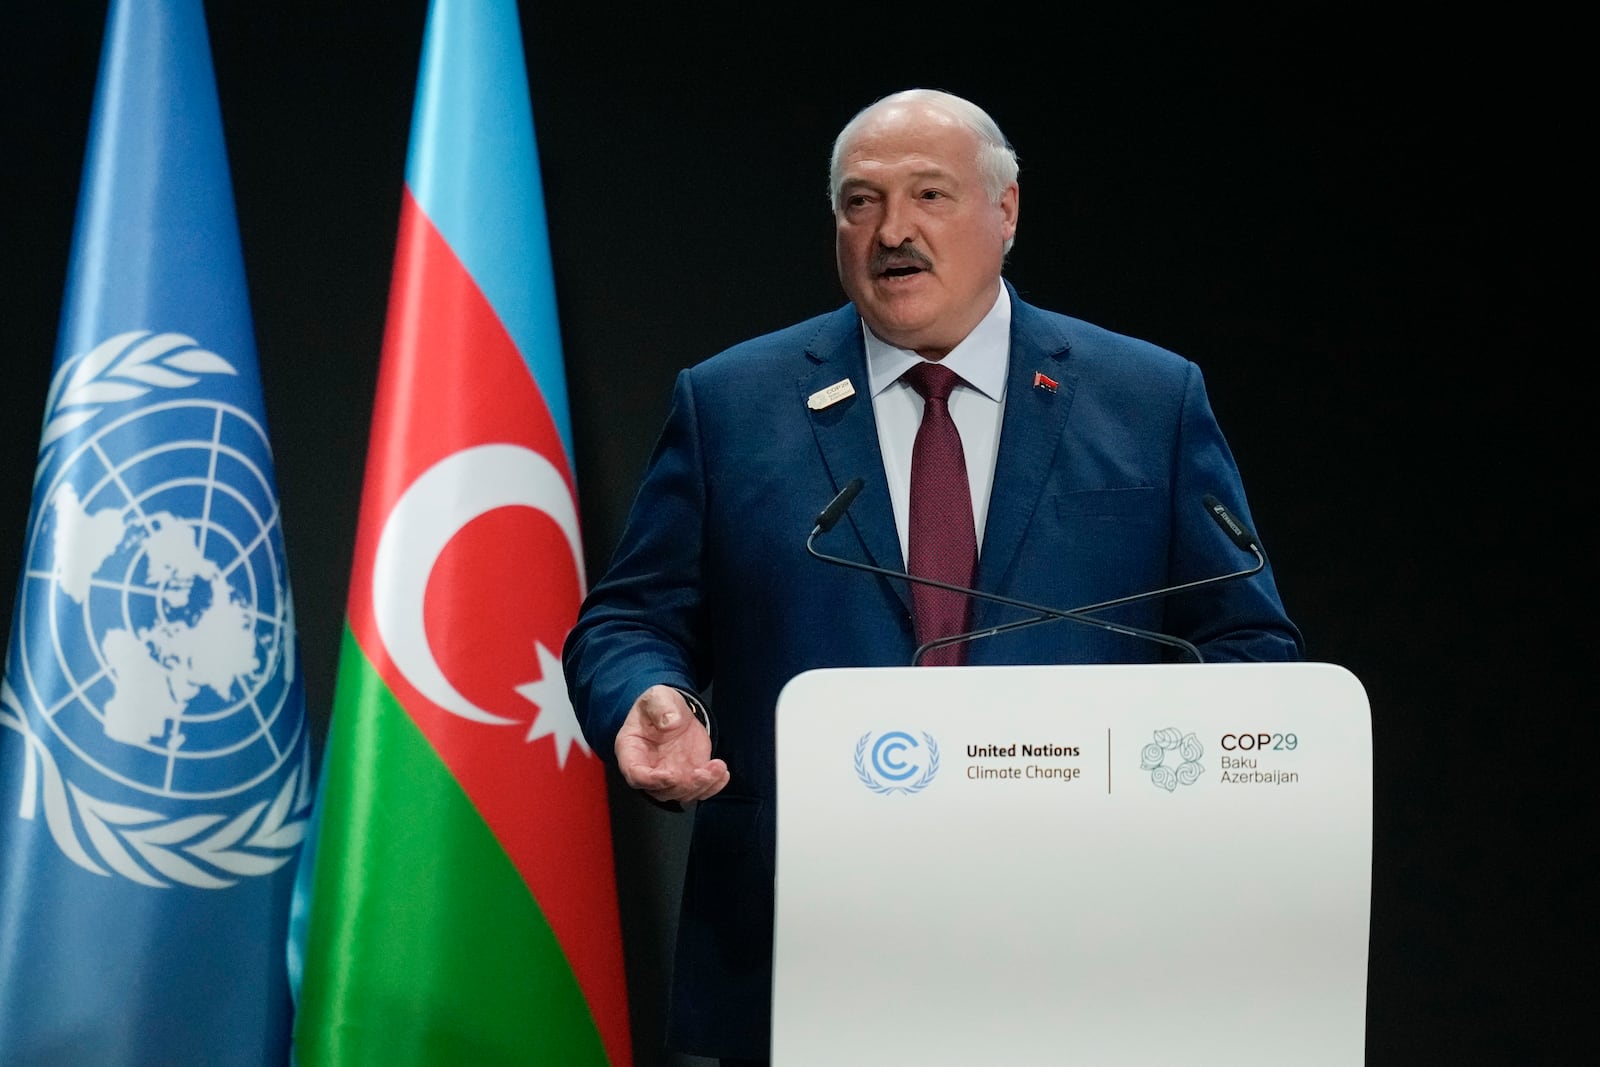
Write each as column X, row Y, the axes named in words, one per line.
column 835, row 509
column 1219, row 511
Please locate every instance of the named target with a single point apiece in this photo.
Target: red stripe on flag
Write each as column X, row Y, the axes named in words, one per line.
column 503, row 586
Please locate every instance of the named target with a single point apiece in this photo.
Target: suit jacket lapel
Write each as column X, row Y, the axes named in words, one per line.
column 1030, row 432
column 847, row 436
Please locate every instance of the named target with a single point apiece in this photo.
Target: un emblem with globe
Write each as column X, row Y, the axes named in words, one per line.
column 152, row 666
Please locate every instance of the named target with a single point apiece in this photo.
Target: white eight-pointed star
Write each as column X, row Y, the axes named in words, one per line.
column 554, row 718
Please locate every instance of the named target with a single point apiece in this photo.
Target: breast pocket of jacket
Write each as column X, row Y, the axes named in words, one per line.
column 1117, row 539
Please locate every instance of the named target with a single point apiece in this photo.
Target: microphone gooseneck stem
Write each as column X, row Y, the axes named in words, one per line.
column 1225, row 519
column 1044, row 614
column 1071, row 616
column 1048, row 616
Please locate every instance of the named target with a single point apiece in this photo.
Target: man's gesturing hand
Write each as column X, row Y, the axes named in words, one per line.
column 663, row 750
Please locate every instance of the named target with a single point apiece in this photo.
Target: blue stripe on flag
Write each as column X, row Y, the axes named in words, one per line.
column 474, row 170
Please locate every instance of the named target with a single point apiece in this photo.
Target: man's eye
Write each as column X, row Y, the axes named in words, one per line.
column 932, row 194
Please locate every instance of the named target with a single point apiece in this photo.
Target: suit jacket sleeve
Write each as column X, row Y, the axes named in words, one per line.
column 1232, row 621
column 642, row 624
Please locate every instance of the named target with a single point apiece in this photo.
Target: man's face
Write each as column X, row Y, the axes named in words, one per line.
column 919, row 242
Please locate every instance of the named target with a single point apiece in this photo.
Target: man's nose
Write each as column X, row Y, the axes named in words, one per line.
column 897, row 225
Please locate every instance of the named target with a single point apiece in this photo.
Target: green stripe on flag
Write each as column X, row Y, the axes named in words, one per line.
column 424, row 945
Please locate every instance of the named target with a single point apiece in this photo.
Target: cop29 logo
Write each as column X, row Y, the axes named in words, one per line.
column 896, row 762
column 1173, row 758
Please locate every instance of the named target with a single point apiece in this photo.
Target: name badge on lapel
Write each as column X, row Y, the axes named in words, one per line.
column 834, row 393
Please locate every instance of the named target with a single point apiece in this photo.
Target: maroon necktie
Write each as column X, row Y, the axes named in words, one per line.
column 943, row 542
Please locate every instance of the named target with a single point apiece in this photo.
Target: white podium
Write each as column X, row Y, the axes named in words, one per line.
column 1073, row 865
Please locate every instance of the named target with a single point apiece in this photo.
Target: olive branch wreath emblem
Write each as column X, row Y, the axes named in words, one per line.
column 256, row 841
column 876, row 786
column 124, row 367
column 253, row 842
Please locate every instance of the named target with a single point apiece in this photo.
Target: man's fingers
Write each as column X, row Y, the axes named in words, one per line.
column 707, row 781
column 664, row 784
column 650, row 778
column 656, row 716
column 661, row 707
column 658, row 756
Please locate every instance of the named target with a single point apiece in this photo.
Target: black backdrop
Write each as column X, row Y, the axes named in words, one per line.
column 1351, row 219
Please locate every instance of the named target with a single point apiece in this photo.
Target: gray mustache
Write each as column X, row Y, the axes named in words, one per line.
column 906, row 252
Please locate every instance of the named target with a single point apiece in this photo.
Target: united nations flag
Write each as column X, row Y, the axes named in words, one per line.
column 153, row 740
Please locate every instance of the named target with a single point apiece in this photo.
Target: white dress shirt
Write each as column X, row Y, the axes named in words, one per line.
column 981, row 360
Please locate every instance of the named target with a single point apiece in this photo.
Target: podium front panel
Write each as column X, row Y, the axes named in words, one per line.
column 1073, row 864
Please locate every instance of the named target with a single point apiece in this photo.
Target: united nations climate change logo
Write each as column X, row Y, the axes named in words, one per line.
column 152, row 672
column 896, row 762
column 1173, row 758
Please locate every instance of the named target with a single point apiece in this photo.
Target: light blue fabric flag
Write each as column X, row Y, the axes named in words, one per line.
column 154, row 751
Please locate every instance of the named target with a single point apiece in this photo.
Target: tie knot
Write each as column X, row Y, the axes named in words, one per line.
column 931, row 380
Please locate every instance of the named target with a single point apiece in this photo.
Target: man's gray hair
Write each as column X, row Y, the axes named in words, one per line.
column 997, row 160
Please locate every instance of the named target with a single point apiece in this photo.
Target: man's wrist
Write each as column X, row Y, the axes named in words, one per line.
column 699, row 711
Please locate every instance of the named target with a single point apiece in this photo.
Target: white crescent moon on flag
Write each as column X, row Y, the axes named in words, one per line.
column 431, row 511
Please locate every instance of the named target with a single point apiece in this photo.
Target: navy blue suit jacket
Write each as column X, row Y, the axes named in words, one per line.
column 1097, row 494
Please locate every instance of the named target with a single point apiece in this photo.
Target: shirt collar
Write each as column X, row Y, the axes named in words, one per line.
column 981, row 358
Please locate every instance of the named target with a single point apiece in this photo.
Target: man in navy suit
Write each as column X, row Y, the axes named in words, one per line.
column 1088, row 456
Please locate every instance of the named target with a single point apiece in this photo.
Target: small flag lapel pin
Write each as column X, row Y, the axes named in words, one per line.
column 831, row 395
column 1044, row 381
